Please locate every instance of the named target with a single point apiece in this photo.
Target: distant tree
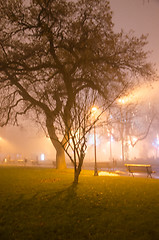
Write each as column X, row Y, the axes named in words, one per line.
column 131, row 122
column 53, row 49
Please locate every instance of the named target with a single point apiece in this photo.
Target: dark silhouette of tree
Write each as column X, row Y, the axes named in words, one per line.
column 81, row 123
column 50, row 50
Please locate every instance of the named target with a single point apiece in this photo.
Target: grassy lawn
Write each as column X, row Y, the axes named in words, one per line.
column 38, row 203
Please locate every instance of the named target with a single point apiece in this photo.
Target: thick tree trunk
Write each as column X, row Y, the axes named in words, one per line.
column 60, row 154
column 60, row 157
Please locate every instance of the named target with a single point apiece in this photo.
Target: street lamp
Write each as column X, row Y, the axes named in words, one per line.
column 94, row 109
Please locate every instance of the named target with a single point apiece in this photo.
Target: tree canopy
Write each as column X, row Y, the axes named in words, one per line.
column 53, row 49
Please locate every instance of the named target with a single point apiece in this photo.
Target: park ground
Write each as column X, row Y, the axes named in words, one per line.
column 43, row 204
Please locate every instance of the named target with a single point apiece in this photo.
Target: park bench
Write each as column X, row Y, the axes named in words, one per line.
column 139, row 168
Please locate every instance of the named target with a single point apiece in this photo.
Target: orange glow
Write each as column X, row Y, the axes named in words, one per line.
column 94, row 109
column 102, row 173
column 137, row 165
column 126, row 99
column 1, row 139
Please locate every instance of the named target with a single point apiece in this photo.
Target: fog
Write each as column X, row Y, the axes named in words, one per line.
column 25, row 142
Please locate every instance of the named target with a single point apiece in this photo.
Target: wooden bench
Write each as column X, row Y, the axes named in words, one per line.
column 139, row 168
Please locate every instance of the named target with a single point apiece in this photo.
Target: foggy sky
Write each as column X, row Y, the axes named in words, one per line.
column 142, row 16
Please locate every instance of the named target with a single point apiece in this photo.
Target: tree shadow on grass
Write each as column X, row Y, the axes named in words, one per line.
column 68, row 193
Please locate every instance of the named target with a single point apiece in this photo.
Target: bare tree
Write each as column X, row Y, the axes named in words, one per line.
column 75, row 143
column 131, row 123
column 53, row 49
column 83, row 119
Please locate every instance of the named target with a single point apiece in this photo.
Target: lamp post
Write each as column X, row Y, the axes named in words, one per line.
column 94, row 109
column 110, row 148
column 124, row 121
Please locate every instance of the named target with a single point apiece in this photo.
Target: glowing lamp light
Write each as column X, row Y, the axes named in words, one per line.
column 156, row 142
column 121, row 101
column 102, row 173
column 125, row 99
column 94, row 109
column 134, row 139
column 42, row 157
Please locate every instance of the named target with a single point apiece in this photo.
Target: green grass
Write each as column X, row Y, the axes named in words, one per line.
column 38, row 203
